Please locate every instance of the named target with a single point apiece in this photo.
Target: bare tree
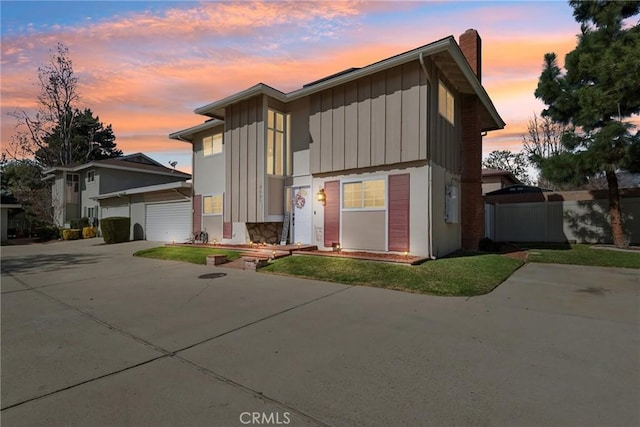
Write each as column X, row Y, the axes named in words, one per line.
column 543, row 138
column 56, row 112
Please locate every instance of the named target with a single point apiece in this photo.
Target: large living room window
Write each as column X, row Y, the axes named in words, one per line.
column 446, row 103
column 212, row 205
column 369, row 194
column 212, row 144
column 277, row 145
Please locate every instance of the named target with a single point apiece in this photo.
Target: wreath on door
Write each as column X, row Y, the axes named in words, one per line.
column 299, row 199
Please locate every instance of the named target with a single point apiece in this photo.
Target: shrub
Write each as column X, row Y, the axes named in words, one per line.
column 71, row 234
column 79, row 223
column 47, row 233
column 88, row 232
column 115, row 229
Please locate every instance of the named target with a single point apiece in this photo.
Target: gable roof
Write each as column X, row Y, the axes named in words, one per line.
column 131, row 163
column 446, row 53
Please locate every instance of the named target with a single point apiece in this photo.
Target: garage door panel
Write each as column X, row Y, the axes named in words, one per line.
column 168, row 222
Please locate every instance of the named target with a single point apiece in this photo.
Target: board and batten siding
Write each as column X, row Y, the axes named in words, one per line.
column 244, row 161
column 383, row 119
column 376, row 120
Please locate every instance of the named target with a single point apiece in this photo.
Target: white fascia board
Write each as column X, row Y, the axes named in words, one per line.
column 259, row 89
column 430, row 49
column 185, row 134
column 148, row 189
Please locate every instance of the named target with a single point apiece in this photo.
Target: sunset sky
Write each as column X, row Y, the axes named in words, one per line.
column 143, row 67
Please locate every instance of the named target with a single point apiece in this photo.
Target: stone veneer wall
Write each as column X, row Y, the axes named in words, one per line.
column 264, row 232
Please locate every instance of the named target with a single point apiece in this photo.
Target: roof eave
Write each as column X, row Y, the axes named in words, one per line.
column 185, row 135
column 259, row 89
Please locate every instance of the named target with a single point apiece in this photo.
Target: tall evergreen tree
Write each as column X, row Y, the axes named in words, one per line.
column 89, row 140
column 595, row 97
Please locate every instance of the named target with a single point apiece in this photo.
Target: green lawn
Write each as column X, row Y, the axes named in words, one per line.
column 462, row 276
column 186, row 253
column 581, row 255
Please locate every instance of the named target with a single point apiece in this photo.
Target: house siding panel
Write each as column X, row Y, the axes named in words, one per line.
column 377, row 120
column 332, row 213
column 364, row 122
column 393, row 116
column 411, row 111
column 338, row 128
column 399, row 208
column 351, row 126
column 244, row 161
column 315, row 133
column 326, row 131
column 252, row 137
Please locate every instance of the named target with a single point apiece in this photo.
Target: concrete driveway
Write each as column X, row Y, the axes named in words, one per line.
column 93, row 336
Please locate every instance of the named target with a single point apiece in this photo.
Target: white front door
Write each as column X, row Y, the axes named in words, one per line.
column 302, row 201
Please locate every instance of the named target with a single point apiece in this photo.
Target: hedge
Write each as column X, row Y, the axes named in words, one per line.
column 115, row 229
column 88, row 232
column 70, row 234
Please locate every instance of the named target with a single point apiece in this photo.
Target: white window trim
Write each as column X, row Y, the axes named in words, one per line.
column 91, row 176
column 213, row 195
column 221, row 145
column 363, row 209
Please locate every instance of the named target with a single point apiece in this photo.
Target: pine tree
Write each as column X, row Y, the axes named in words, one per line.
column 595, row 97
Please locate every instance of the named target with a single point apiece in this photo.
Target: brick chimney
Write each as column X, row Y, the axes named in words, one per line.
column 472, row 218
column 471, row 46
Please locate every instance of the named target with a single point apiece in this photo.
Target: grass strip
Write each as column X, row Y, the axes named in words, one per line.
column 581, row 254
column 459, row 276
column 186, row 253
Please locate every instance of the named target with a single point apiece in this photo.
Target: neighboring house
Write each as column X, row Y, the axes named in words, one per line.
column 8, row 204
column 156, row 198
column 496, row 179
column 382, row 158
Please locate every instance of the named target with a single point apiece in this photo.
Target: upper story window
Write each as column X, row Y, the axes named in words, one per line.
column 73, row 188
column 91, row 176
column 446, row 103
column 212, row 205
column 212, row 144
column 278, row 150
column 368, row 194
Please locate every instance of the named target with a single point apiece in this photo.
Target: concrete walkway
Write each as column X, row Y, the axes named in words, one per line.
column 94, row 336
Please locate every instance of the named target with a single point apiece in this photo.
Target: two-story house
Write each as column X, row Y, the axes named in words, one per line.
column 381, row 158
column 156, row 198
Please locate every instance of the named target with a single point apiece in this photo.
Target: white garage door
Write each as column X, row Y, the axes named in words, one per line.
column 169, row 222
column 110, row 211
